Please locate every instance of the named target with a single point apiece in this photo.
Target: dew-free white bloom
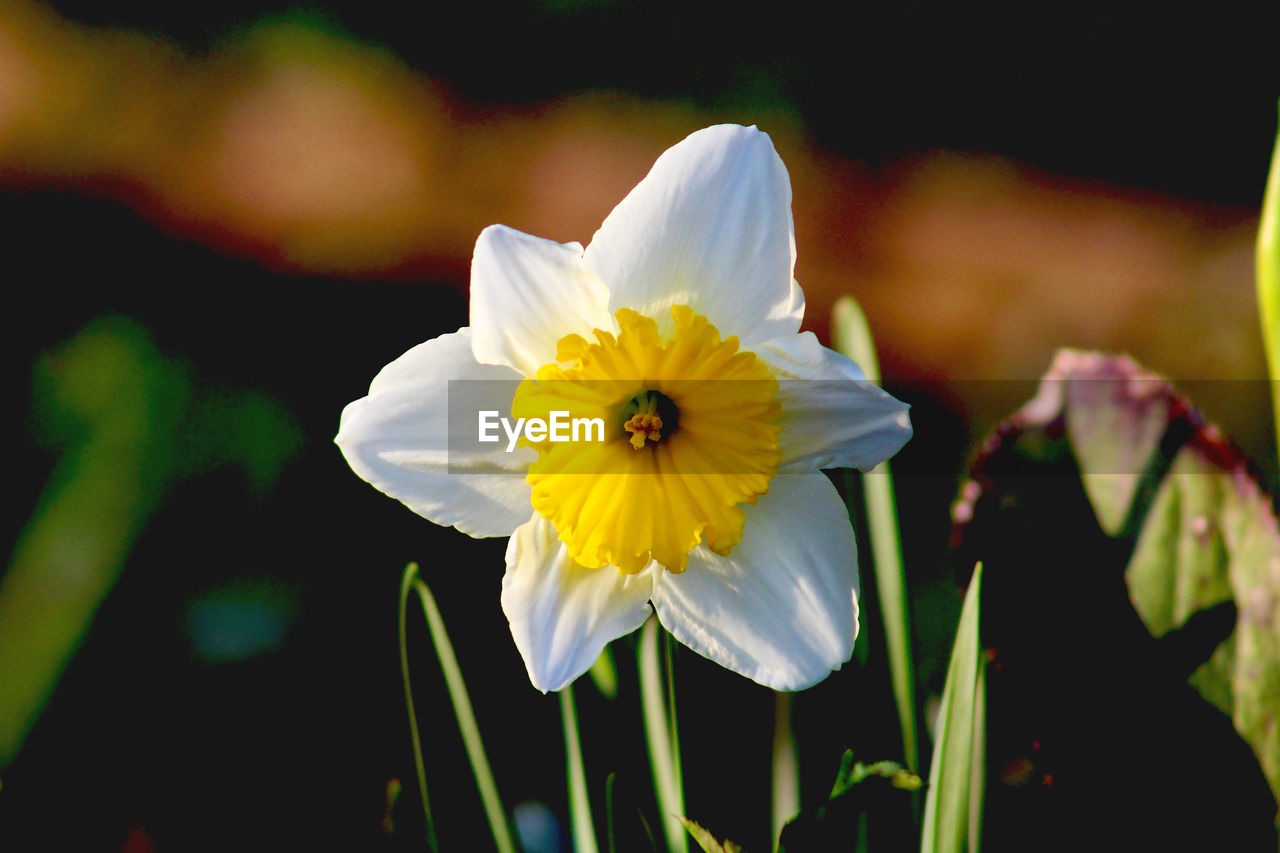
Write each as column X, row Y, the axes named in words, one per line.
column 689, row 279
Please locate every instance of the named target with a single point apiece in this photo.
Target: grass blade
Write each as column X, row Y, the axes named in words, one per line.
column 978, row 766
column 610, row 830
column 493, row 810
column 1268, row 266
column 852, row 336
column 584, row 832
column 953, row 807
column 406, row 585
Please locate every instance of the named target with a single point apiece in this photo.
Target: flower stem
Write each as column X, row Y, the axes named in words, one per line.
column 659, row 730
column 786, row 770
column 1268, row 266
column 852, row 336
column 669, row 661
column 462, row 708
column 584, row 833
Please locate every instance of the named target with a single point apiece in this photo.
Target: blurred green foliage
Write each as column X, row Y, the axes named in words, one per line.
column 127, row 424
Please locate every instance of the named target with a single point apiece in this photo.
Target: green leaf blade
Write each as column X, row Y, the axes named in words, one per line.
column 953, row 805
column 851, row 336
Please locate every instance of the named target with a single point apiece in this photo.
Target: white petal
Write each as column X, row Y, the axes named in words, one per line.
column 398, row 438
column 795, row 303
column 526, row 294
column 831, row 415
column 710, row 227
column 562, row 615
column 782, row 608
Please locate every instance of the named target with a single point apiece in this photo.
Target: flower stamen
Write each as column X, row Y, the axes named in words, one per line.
column 644, row 427
column 650, row 416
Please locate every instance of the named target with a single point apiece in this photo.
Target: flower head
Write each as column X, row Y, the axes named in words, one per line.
column 675, row 329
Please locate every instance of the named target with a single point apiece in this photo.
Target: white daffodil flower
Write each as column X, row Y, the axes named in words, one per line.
column 678, row 327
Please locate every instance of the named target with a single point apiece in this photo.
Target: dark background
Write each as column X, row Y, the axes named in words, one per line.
column 1178, row 100
column 149, row 743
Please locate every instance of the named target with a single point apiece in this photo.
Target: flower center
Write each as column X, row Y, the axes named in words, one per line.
column 652, row 410
column 691, row 432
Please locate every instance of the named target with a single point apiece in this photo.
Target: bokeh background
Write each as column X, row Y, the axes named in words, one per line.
column 220, row 220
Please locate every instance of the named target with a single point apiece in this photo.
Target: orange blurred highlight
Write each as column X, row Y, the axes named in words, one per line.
column 314, row 154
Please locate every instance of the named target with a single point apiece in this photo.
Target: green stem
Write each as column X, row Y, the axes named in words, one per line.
column 610, row 831
column 673, row 728
column 406, row 584
column 466, row 715
column 584, row 833
column 1268, row 266
column 658, row 729
column 852, row 336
